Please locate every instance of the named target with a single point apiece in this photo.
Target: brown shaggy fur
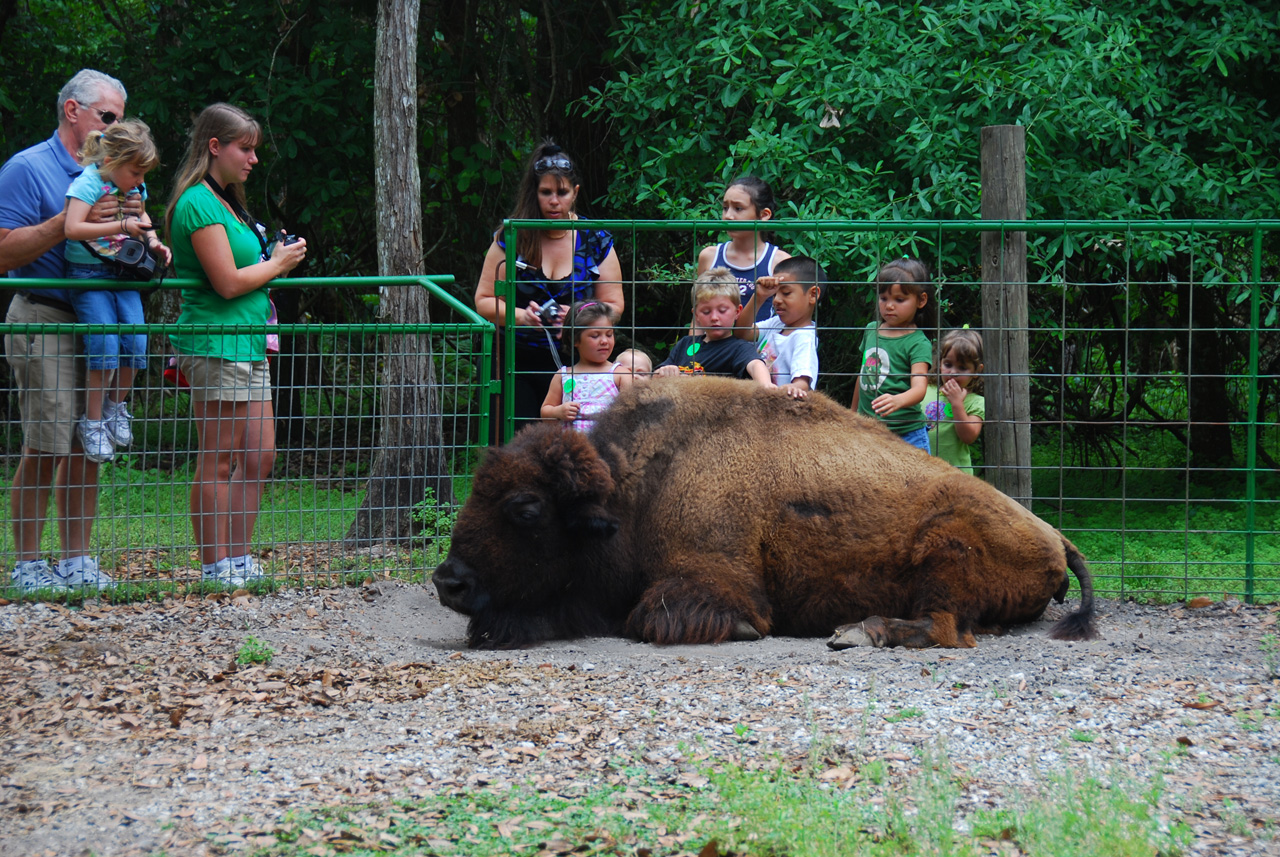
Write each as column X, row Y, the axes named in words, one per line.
column 703, row 510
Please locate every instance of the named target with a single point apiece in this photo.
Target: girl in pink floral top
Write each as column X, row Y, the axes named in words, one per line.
column 579, row 392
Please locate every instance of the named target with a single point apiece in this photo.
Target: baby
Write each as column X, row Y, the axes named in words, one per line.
column 636, row 362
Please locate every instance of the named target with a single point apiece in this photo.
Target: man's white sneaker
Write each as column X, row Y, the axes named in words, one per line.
column 95, row 440
column 34, row 574
column 118, row 422
column 221, row 572
column 82, row 571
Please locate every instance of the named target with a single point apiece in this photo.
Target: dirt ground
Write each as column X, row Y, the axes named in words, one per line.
column 131, row 729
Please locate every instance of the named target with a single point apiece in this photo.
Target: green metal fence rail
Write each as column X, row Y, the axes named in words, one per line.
column 329, row 387
column 1254, row 566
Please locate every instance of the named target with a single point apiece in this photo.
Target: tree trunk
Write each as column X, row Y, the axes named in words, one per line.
column 1004, row 313
column 409, row 467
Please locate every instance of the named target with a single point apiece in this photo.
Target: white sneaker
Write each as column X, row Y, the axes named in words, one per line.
column 34, row 574
column 247, row 568
column 221, row 572
column 82, row 571
column 95, row 440
column 116, row 419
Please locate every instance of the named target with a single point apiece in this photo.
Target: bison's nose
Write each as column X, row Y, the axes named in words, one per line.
column 457, row 586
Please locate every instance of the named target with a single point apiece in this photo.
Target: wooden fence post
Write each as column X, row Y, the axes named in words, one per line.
column 1007, row 449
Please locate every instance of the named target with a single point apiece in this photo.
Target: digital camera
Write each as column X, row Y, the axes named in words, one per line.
column 550, row 314
column 134, row 260
column 285, row 239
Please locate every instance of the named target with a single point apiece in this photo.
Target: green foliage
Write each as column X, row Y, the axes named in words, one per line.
column 435, row 520
column 254, row 651
column 860, row 109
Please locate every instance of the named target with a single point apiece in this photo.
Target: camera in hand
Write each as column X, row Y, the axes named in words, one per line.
column 285, row 239
column 550, row 314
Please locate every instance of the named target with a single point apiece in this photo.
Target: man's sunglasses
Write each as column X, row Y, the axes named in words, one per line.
column 108, row 118
column 552, row 162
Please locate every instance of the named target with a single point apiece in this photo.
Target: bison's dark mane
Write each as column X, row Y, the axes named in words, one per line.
column 514, row 629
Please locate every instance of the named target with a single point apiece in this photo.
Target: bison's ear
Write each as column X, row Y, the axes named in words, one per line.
column 591, row 520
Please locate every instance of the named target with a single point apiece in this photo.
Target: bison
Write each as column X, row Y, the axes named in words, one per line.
column 704, row 510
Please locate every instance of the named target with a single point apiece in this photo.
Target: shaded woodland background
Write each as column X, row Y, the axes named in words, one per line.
column 1147, row 109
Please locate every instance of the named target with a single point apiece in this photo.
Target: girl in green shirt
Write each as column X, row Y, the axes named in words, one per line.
column 216, row 241
column 953, row 405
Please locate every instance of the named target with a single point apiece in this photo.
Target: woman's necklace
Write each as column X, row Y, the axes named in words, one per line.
column 556, row 236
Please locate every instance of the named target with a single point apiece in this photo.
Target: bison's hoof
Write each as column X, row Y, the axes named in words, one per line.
column 850, row 636
column 744, row 631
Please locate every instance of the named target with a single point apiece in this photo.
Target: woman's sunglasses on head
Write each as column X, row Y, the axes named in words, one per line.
column 552, row 162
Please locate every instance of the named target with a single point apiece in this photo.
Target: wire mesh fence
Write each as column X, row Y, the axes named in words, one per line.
column 360, row 451
column 1152, row 371
column 1152, row 384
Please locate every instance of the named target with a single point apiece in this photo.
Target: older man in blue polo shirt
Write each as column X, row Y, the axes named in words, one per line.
column 49, row 373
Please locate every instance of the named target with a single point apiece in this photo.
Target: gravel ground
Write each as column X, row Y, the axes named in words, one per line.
column 130, row 730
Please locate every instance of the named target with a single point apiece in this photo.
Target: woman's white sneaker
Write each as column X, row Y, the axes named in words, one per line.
column 248, row 567
column 221, row 572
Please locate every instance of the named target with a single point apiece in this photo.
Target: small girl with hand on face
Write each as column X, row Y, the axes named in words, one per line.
column 953, row 406
column 116, row 161
column 896, row 355
column 579, row 392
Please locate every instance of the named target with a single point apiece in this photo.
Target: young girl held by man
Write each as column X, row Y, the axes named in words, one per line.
column 116, row 161
column 896, row 354
column 579, row 392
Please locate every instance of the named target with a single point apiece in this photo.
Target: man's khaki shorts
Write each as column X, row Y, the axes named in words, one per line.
column 49, row 374
column 213, row 379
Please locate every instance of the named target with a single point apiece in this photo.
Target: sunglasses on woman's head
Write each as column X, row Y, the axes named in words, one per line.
column 108, row 118
column 552, row 162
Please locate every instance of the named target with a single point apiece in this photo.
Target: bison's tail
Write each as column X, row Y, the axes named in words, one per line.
column 1078, row 625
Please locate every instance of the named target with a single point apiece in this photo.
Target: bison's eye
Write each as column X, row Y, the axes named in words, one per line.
column 523, row 509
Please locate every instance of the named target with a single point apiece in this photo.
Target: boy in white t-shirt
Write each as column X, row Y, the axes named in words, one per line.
column 788, row 340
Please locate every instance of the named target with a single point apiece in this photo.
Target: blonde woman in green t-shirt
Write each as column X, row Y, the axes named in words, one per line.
column 953, row 404
column 215, row 240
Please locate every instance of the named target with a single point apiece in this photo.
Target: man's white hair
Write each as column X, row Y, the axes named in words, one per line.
column 86, row 88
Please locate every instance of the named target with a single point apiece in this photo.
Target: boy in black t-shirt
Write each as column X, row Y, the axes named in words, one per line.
column 713, row 349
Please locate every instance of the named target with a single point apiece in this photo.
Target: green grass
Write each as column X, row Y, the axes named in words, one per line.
column 785, row 809
column 143, row 519
column 1148, row 532
column 254, row 651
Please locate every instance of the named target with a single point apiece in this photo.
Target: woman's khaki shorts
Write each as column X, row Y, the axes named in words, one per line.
column 213, row 379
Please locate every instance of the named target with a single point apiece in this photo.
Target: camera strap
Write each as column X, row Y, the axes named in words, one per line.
column 258, row 229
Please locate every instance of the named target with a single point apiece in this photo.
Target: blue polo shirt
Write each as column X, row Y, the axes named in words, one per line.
column 33, row 188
